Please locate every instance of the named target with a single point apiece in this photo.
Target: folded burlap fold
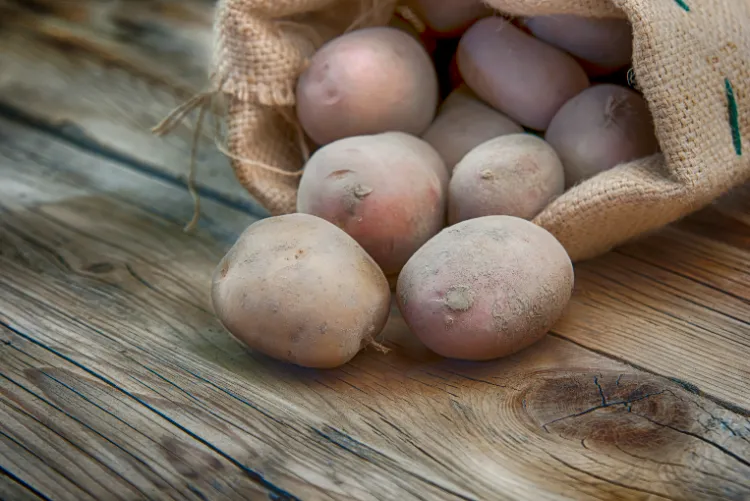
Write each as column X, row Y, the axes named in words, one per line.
column 690, row 61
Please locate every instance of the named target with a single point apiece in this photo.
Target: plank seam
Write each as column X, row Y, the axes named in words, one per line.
column 23, row 484
column 254, row 475
column 82, row 142
column 693, row 388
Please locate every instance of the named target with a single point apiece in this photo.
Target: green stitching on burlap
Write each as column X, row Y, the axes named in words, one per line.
column 734, row 117
column 682, row 4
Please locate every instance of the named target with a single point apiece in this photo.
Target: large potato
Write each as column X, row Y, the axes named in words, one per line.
column 517, row 74
column 365, row 82
column 388, row 191
column 300, row 290
column 485, row 288
column 464, row 122
column 514, row 175
column 602, row 127
column 449, row 18
column 605, row 43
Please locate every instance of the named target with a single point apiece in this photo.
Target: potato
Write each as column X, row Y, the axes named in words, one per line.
column 300, row 290
column 448, row 18
column 513, row 175
column 603, row 126
column 463, row 122
column 605, row 43
column 365, row 82
column 384, row 190
column 485, row 288
column 517, row 74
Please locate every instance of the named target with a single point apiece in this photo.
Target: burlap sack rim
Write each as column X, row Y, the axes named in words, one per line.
column 676, row 184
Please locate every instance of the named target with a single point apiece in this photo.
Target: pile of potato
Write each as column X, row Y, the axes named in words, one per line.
column 435, row 149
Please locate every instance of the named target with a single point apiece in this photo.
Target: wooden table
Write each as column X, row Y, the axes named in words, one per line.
column 116, row 381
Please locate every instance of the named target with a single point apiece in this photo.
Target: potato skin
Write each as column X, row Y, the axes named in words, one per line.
column 367, row 81
column 517, row 74
column 464, row 122
column 300, row 290
column 384, row 190
column 485, row 288
column 448, row 18
column 602, row 127
column 513, row 175
column 606, row 43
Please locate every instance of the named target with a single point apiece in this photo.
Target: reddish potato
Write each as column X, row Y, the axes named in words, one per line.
column 464, row 122
column 605, row 43
column 517, row 74
column 449, row 18
column 603, row 126
column 365, row 82
column 485, row 288
column 298, row 289
column 384, row 190
column 513, row 175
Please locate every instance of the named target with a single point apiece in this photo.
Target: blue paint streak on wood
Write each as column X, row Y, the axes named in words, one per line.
column 281, row 493
column 78, row 139
column 70, row 416
column 23, row 484
column 734, row 117
column 683, row 5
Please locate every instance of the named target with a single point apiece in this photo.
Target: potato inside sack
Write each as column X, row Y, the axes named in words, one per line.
column 464, row 122
column 365, row 82
column 606, row 44
column 602, row 127
column 512, row 175
column 485, row 288
column 388, row 191
column 517, row 74
column 448, row 18
column 300, row 290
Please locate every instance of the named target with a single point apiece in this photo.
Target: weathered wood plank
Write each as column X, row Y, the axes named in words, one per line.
column 104, row 74
column 106, row 317
column 664, row 322
column 112, row 70
column 677, row 302
column 624, row 306
column 12, row 488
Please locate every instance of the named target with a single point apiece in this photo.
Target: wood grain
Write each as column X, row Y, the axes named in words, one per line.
column 116, row 381
column 13, row 488
column 104, row 73
column 110, row 355
column 108, row 71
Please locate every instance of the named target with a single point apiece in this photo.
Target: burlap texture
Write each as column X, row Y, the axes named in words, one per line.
column 690, row 60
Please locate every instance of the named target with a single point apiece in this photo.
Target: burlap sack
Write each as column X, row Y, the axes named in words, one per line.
column 690, row 60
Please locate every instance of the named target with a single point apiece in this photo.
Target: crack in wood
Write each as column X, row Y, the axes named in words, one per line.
column 23, row 484
column 260, row 479
column 718, row 401
column 625, row 403
column 364, row 451
column 607, row 480
column 719, row 447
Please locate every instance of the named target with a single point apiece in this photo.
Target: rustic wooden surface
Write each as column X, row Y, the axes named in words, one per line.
column 116, row 382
